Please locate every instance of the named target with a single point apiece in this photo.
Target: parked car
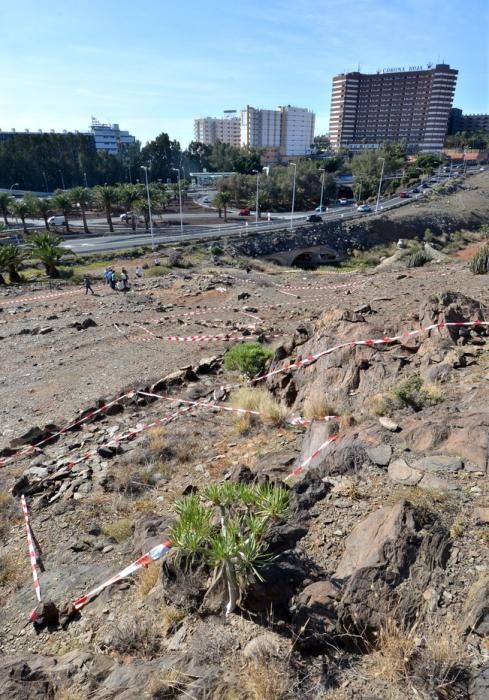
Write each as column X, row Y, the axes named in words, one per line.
column 404, row 195
column 321, row 209
column 244, row 212
column 343, row 201
column 126, row 217
column 416, row 190
column 314, row 218
column 364, row 207
column 425, row 185
column 57, row 221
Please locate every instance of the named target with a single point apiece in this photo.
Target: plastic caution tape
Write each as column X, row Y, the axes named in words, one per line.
column 32, row 554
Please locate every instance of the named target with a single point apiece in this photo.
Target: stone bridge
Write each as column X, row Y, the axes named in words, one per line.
column 306, row 246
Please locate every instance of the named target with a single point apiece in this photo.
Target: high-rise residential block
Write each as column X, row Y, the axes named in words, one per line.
column 287, row 130
column 392, row 105
column 210, row 130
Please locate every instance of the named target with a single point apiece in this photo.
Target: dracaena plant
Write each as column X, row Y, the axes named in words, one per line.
column 225, row 527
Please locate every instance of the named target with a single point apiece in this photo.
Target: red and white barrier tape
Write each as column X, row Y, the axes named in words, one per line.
column 295, row 420
column 53, row 295
column 308, row 461
column 32, row 554
column 200, row 338
column 153, row 555
column 311, row 359
column 128, row 436
column 88, row 416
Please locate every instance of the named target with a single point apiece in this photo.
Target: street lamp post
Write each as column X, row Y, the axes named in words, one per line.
column 85, row 179
column 380, row 183
column 45, row 181
column 322, row 191
column 16, row 184
column 177, row 170
column 145, row 168
column 257, row 194
column 62, row 179
column 293, row 195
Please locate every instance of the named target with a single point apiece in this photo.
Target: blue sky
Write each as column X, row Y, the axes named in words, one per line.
column 154, row 65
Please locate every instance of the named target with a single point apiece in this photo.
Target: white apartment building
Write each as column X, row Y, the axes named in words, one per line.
column 297, row 133
column 289, row 130
column 210, row 130
column 109, row 137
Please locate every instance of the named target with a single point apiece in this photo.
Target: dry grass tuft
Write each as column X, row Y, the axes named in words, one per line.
column 317, row 406
column 147, row 579
column 431, row 665
column 120, row 530
column 266, row 679
column 428, row 499
column 69, row 692
column 13, row 570
column 395, row 649
column 257, row 399
column 7, row 509
column 156, row 439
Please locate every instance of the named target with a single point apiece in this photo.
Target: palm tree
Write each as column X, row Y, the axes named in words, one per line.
column 226, row 198
column 5, row 202
column 11, row 258
column 45, row 247
column 43, row 208
column 141, row 206
column 82, row 197
column 105, row 198
column 127, row 195
column 62, row 200
column 21, row 208
column 217, row 202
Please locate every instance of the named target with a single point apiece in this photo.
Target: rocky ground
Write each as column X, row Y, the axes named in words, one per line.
column 379, row 582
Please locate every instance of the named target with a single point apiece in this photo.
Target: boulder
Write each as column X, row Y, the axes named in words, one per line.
column 314, row 615
column 380, row 454
column 400, row 472
column 475, row 614
column 390, row 559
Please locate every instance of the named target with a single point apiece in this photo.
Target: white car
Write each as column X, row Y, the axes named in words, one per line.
column 127, row 217
column 57, row 221
column 320, row 210
column 343, row 201
column 364, row 207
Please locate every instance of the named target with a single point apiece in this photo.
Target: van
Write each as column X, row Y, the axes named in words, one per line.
column 57, row 221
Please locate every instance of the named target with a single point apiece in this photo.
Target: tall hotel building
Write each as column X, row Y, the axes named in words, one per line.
column 392, row 105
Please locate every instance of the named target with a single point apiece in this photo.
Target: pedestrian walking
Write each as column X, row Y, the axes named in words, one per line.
column 124, row 280
column 87, row 283
column 112, row 279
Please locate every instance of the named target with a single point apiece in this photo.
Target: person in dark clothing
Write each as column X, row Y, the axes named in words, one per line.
column 112, row 279
column 87, row 284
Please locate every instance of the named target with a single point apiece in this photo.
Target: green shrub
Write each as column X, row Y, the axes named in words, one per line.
column 417, row 259
column 249, row 358
column 480, row 261
column 428, row 235
column 216, row 250
column 414, row 393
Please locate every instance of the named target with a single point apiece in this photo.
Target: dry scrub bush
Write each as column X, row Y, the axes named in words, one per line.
column 120, row 530
column 266, row 678
column 395, row 648
column 137, row 635
column 156, row 440
column 168, row 684
column 317, row 406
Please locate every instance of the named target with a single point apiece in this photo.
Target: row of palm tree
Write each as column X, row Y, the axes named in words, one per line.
column 106, row 198
column 44, row 247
